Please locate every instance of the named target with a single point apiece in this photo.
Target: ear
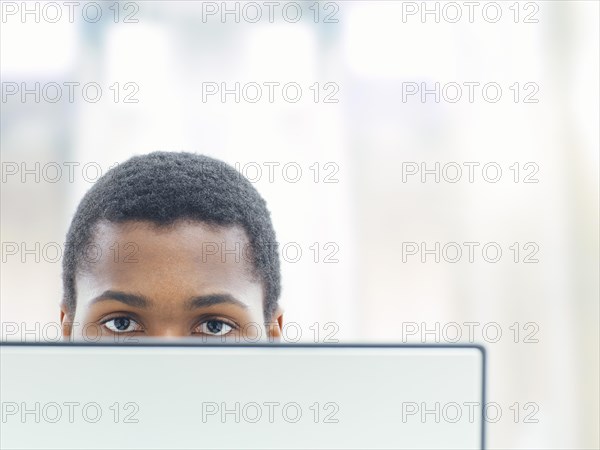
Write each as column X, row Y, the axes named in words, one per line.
column 66, row 322
column 275, row 326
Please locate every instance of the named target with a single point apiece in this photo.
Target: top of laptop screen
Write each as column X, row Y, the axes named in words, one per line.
column 182, row 395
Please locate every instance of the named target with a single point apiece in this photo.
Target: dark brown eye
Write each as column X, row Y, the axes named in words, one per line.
column 215, row 327
column 121, row 325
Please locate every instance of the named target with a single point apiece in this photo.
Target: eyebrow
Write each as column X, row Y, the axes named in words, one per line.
column 204, row 301
column 139, row 301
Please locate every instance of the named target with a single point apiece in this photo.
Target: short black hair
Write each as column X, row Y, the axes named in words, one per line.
column 164, row 187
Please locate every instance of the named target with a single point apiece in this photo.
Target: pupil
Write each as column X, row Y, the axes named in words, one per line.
column 122, row 323
column 214, row 326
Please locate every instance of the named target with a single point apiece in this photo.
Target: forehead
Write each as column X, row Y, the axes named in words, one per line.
column 178, row 236
column 183, row 256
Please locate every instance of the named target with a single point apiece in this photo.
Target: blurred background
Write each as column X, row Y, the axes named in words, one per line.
column 373, row 176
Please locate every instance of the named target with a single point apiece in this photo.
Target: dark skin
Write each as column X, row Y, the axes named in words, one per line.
column 178, row 281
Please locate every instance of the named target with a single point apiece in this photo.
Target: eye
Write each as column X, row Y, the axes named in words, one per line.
column 122, row 325
column 215, row 327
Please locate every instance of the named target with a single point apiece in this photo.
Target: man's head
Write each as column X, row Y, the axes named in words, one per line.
column 171, row 244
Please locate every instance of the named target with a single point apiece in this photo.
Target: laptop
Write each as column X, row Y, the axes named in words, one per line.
column 182, row 395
